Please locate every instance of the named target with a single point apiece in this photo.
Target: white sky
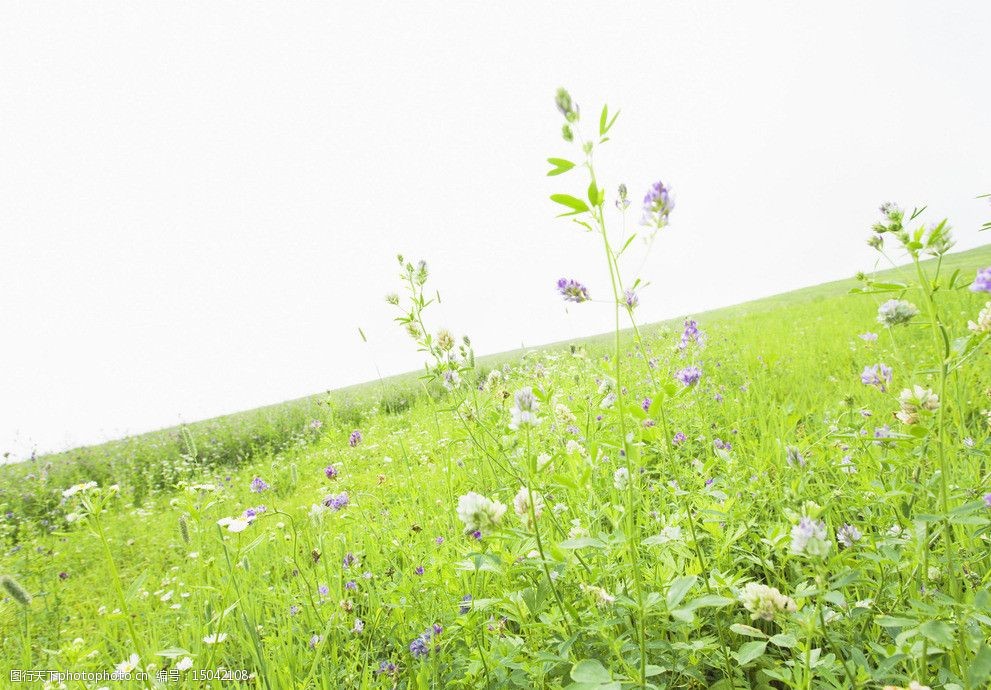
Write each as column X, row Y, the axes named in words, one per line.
column 200, row 203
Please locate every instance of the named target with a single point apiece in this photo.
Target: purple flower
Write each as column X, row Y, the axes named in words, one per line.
column 314, row 641
column 419, row 570
column 868, row 337
column 882, row 431
column 330, row 471
column 679, row 438
column 689, row 376
column 720, row 444
column 439, row 541
column 878, row 375
column 719, row 398
column 316, row 424
column 323, row 590
column 657, row 206
column 982, row 283
column 646, row 404
column 355, row 438
column 987, row 500
column 337, row 502
column 631, row 299
column 387, row 667
column 351, row 584
column 572, row 290
column 349, row 560
column 294, row 610
column 794, row 457
column 258, row 485
column 691, row 334
column 251, row 513
column 477, row 534
column 465, row 604
column 847, row 535
column 423, row 644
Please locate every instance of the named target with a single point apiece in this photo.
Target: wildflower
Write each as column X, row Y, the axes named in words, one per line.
column 848, row 535
column 809, row 537
column 523, row 502
column 622, row 200
column 330, row 471
column 691, row 334
column 77, row 488
column 794, row 457
column 388, row 668
column 868, row 337
column 355, row 438
column 720, row 444
column 689, row 376
column 878, row 375
column 258, row 485
column 294, row 610
column 524, row 412
column 337, row 502
column 764, row 602
column 315, row 424
column 678, row 438
column 234, row 524
column 621, row 478
column 215, row 638
column 602, row 597
column 445, row 341
column 349, row 560
column 645, row 405
column 914, row 685
column 631, row 299
column 982, row 283
column 846, row 464
column 421, row 647
column 478, row 512
column 572, row 290
column 466, row 602
column 419, row 570
column 359, row 626
column 657, row 206
column 128, row 665
column 983, row 324
column 323, row 590
column 987, row 500
column 184, row 664
column 915, row 401
column 314, row 641
column 895, row 312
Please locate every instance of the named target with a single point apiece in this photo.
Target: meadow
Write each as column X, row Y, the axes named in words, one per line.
column 787, row 493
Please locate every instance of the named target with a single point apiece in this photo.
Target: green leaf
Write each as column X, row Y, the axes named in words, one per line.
column 603, row 118
column 590, row 671
column 937, row 631
column 583, row 542
column 576, row 205
column 741, row 629
column 708, row 601
column 595, row 195
column 679, row 588
column 783, row 640
column 749, row 651
column 980, row 668
column 560, row 166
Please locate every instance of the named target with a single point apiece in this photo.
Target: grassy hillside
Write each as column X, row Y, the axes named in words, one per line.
column 633, row 534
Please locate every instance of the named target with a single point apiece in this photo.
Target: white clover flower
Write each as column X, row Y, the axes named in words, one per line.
column 215, row 638
column 184, row 664
column 563, row 414
column 478, row 512
column 521, row 504
column 543, row 460
column 915, row 400
column 621, row 478
column 493, row 378
column 524, row 412
column 764, row 602
column 983, row 324
column 573, row 447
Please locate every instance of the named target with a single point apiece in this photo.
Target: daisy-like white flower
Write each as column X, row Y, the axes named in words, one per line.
column 234, row 524
column 184, row 664
column 215, row 638
column 128, row 665
column 78, row 488
column 983, row 323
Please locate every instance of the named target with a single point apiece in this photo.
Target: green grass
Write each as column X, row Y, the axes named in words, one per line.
column 671, row 550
